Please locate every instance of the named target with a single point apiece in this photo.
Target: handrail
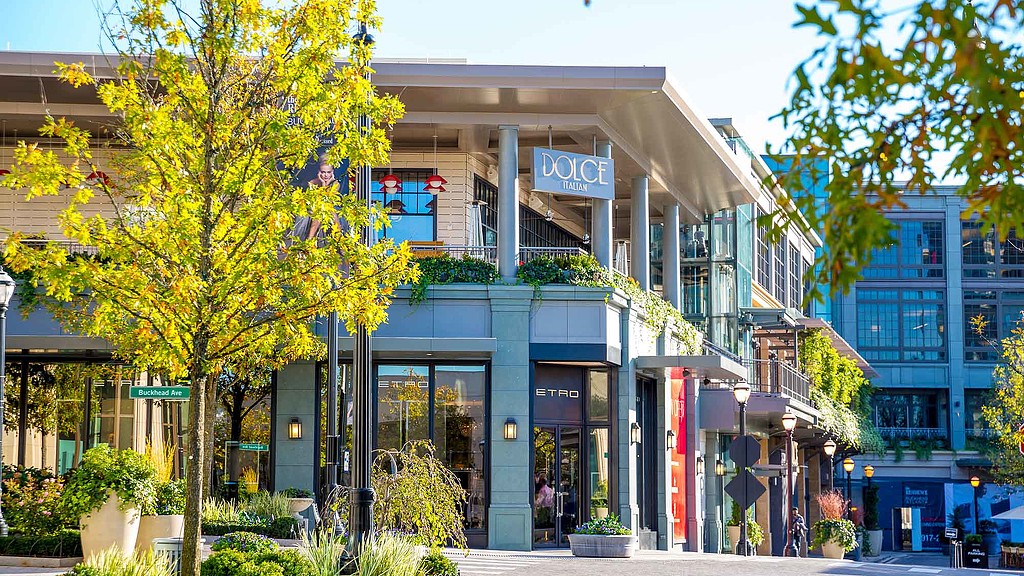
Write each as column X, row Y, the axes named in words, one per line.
column 908, row 432
column 776, row 377
column 527, row 253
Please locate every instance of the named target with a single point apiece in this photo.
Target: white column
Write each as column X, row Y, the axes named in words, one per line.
column 640, row 233
column 508, row 201
column 602, row 235
column 670, row 256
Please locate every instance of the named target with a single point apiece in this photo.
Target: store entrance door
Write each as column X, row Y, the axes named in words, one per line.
column 557, row 474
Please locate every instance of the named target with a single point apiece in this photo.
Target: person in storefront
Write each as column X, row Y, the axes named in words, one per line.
column 544, row 500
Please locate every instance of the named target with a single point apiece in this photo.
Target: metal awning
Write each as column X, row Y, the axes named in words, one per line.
column 704, row 366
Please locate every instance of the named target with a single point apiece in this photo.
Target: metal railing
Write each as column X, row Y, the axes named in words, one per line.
column 712, row 349
column 485, row 253
column 905, row 432
column 527, row 253
column 986, row 433
column 68, row 246
column 775, row 377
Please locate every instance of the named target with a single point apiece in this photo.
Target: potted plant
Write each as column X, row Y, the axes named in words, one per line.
column 834, row 534
column 603, row 538
column 107, row 493
column 298, row 500
column 733, row 528
column 167, row 517
column 989, row 537
column 873, row 531
column 599, row 501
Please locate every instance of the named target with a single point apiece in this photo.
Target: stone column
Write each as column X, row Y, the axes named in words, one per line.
column 670, row 256
column 295, row 460
column 602, row 234
column 508, row 202
column 955, row 324
column 510, row 515
column 640, row 232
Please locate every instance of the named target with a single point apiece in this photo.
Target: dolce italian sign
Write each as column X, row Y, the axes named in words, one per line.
column 561, row 172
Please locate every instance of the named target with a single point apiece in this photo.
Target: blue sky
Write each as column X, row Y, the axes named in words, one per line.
column 733, row 58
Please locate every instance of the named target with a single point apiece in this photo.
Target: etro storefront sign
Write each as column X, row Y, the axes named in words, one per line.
column 561, row 172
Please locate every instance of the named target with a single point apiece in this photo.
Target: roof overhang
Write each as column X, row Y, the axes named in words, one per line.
column 704, row 366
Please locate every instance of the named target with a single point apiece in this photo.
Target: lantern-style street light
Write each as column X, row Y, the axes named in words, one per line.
column 789, row 423
column 7, row 287
column 741, row 391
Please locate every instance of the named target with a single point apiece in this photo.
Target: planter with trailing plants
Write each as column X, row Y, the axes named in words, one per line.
column 167, row 518
column 603, row 538
column 108, row 492
column 755, row 535
column 834, row 534
column 298, row 501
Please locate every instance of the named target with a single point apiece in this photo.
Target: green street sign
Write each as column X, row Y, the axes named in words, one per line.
column 250, row 447
column 160, row 392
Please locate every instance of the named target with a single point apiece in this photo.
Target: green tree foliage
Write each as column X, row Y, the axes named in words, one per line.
column 896, row 93
column 840, row 391
column 217, row 103
column 1004, row 412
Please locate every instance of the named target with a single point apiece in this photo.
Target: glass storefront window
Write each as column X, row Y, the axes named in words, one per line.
column 411, row 210
column 598, row 408
column 599, row 472
column 403, row 405
column 459, row 428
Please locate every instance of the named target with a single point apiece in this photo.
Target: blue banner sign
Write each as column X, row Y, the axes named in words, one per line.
column 561, row 172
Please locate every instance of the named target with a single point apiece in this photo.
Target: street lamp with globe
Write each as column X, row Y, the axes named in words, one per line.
column 830, row 451
column 741, row 391
column 7, row 287
column 789, row 423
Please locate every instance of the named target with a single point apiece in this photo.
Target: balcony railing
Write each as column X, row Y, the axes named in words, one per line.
column 774, row 377
column 986, row 433
column 68, row 246
column 904, row 432
column 528, row 253
column 485, row 253
column 712, row 349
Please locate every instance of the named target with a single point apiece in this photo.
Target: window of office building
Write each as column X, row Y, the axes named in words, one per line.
column 779, row 290
column 535, row 230
column 894, row 325
column 989, row 316
column 411, row 210
column 446, row 404
column 794, row 278
column 910, row 414
column 764, row 255
column 917, row 252
column 974, row 420
column 986, row 257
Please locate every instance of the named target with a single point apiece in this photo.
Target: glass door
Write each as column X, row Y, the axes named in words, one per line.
column 557, row 462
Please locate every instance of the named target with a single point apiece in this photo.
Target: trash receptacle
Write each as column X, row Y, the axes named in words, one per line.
column 171, row 548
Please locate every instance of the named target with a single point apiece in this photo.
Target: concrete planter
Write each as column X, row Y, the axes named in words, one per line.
column 109, row 525
column 601, row 546
column 874, row 538
column 734, row 537
column 832, row 550
column 297, row 506
column 153, row 527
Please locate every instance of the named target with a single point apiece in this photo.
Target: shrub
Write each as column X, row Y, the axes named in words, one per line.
column 244, row 542
column 114, row 562
column 217, row 511
column 170, row 498
column 973, row 539
column 276, row 563
column 608, row 526
column 285, row 527
column 447, row 270
column 296, row 493
column 125, row 472
column 62, row 544
column 387, row 555
column 323, row 550
column 832, row 504
column 31, row 504
column 755, row 534
column 836, row 530
column 424, row 498
column 263, row 504
column 437, row 564
column 871, row 508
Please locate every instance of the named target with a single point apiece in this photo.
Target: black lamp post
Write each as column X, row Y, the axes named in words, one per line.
column 848, row 466
column 361, row 512
column 975, row 483
column 789, row 423
column 830, row 451
column 6, row 293
column 741, row 391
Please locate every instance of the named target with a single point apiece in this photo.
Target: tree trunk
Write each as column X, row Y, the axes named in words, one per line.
column 43, row 452
column 234, row 454
column 197, row 455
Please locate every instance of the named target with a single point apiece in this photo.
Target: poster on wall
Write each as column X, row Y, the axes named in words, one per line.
column 928, row 497
column 678, row 420
column 992, row 499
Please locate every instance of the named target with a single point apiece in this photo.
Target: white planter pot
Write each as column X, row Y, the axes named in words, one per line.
column 875, row 541
column 152, row 527
column 832, row 550
column 109, row 525
column 599, row 546
column 297, row 505
column 734, row 537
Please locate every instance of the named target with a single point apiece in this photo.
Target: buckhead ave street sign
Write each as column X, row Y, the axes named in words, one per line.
column 159, row 392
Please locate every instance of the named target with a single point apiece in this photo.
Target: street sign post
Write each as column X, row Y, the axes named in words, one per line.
column 159, row 392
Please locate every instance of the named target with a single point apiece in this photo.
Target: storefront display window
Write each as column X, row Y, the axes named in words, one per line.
column 403, row 405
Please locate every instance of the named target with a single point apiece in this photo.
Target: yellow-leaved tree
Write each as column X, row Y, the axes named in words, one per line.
column 208, row 256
